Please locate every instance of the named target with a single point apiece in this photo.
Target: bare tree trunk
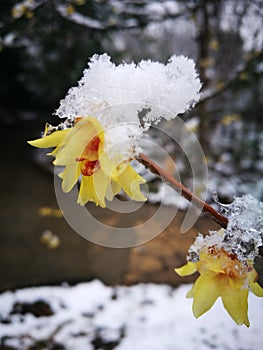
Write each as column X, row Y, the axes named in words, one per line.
column 203, row 38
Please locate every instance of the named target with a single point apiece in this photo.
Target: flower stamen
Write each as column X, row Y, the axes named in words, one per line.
column 89, row 157
column 88, row 168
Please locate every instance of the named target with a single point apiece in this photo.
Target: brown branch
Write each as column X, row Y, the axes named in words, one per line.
column 181, row 189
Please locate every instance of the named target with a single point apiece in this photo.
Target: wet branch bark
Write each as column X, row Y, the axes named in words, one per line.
column 182, row 190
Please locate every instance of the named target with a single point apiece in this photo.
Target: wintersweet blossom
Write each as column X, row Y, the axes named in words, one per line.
column 223, row 275
column 80, row 149
column 123, row 100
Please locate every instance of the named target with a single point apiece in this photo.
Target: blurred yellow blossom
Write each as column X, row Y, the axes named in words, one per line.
column 23, row 8
column 207, row 62
column 70, row 9
column 79, row 2
column 214, row 45
column 80, row 149
column 220, row 85
column 243, row 75
column 230, row 118
column 50, row 212
column 49, row 239
column 223, row 275
column 19, row 11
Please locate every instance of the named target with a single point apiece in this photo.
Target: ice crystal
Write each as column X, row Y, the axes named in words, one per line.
column 244, row 233
column 213, row 239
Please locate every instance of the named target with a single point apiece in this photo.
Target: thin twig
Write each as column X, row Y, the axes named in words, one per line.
column 185, row 192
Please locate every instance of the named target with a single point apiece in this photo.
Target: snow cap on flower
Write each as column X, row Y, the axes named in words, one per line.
column 222, row 275
column 214, row 239
column 225, row 260
column 128, row 98
column 106, row 115
column 244, row 233
column 173, row 87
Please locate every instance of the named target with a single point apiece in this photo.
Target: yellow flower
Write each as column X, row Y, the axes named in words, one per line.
column 222, row 275
column 80, row 150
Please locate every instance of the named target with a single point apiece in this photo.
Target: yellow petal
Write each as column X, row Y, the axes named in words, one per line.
column 86, row 191
column 101, row 183
column 236, row 283
column 112, row 190
column 77, row 139
column 74, row 144
column 205, row 292
column 54, row 152
column 70, row 176
column 209, row 265
column 236, row 304
column 94, row 121
column 107, row 166
column 51, row 140
column 130, row 181
column 187, row 269
column 256, row 289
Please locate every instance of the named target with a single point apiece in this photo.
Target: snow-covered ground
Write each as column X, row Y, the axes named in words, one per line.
column 145, row 316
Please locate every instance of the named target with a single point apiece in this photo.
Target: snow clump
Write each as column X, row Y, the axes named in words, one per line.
column 129, row 97
column 243, row 235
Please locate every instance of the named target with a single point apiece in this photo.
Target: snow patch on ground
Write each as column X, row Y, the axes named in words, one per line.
column 145, row 316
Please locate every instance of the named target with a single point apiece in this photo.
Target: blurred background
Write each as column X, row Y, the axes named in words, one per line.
column 44, row 47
